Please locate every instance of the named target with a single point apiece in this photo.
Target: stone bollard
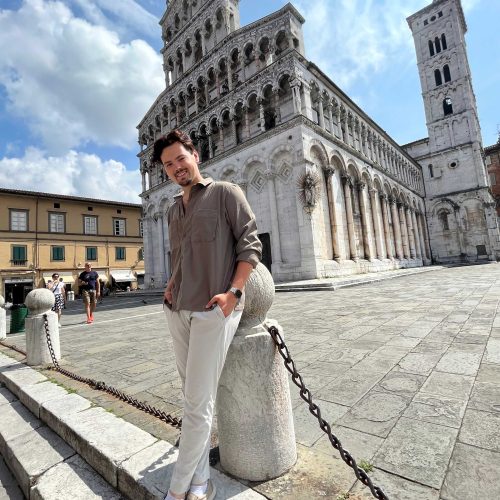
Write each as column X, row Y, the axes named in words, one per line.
column 254, row 410
column 39, row 302
column 3, row 319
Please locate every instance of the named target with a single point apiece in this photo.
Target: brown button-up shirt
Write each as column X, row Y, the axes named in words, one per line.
column 207, row 238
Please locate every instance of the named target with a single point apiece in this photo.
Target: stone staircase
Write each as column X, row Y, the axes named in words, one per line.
column 59, row 446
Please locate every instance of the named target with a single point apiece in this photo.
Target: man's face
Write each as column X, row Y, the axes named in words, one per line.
column 181, row 165
column 88, row 267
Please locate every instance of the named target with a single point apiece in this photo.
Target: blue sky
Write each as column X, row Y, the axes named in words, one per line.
column 76, row 76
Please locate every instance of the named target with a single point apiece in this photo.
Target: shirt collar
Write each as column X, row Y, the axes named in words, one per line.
column 203, row 183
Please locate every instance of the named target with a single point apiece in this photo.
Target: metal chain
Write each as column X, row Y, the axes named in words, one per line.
column 13, row 347
column 305, row 394
column 102, row 386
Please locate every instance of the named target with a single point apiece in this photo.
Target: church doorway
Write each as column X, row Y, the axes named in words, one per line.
column 267, row 259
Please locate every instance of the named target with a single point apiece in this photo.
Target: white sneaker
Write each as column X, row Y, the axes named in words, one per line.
column 209, row 495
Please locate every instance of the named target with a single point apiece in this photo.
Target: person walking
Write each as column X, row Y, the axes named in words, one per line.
column 215, row 247
column 90, row 290
column 56, row 286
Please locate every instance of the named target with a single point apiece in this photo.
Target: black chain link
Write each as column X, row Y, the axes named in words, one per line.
column 306, row 395
column 102, row 386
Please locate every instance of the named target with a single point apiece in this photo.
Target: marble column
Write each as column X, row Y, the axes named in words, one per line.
column 329, row 176
column 247, row 122
column 229, row 76
column 321, row 113
column 350, row 217
column 387, row 227
column 377, row 224
column 397, row 229
column 423, row 238
column 404, row 231
column 210, row 146
column 261, row 115
column 416, row 232
column 273, row 205
column 220, row 124
column 277, row 109
column 365, row 225
column 409, row 225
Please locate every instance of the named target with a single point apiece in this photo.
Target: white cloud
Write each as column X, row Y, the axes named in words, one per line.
column 72, row 81
column 353, row 39
column 124, row 16
column 75, row 173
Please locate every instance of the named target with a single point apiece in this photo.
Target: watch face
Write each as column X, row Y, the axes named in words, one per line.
column 236, row 292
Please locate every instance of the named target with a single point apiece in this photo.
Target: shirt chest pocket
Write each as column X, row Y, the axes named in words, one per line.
column 204, row 226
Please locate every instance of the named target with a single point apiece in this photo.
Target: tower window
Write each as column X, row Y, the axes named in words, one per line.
column 431, row 48
column 446, row 73
column 437, row 44
column 437, row 77
column 426, row 22
column 443, row 218
column 443, row 41
column 431, row 171
column 440, row 13
column 447, row 106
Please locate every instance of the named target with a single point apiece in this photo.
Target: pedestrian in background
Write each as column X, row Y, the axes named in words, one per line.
column 90, row 290
column 213, row 237
column 57, row 287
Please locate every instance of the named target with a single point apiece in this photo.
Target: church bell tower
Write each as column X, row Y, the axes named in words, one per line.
column 460, row 208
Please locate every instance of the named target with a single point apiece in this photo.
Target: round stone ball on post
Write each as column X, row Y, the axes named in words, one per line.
column 254, row 410
column 39, row 303
column 3, row 319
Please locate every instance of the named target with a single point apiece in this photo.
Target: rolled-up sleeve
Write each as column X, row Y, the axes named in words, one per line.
column 241, row 219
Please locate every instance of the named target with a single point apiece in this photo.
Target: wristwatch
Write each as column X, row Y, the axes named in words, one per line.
column 236, row 292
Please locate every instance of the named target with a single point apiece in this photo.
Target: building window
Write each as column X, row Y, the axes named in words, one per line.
column 57, row 253
column 119, row 227
column 493, row 179
column 120, row 253
column 90, row 253
column 443, row 42
column 56, row 223
column 437, row 44
column 431, row 48
column 443, row 218
column 446, row 73
column 141, row 228
column 90, row 224
column 447, row 106
column 19, row 255
column 18, row 220
column 431, row 171
column 437, row 77
column 140, row 254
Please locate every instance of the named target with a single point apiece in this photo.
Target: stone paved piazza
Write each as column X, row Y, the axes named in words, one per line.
column 406, row 370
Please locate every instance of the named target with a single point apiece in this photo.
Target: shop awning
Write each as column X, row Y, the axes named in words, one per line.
column 123, row 275
column 67, row 277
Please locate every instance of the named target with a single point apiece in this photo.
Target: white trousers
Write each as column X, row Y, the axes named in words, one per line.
column 201, row 341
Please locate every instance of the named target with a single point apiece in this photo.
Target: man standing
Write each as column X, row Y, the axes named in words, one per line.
column 214, row 245
column 91, row 290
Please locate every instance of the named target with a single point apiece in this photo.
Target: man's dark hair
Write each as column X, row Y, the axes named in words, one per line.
column 165, row 141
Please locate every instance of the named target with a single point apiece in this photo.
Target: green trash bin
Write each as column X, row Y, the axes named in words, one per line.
column 18, row 313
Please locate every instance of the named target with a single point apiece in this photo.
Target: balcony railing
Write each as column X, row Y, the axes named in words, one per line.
column 18, row 262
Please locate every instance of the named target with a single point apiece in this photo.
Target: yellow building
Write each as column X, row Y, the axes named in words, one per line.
column 43, row 233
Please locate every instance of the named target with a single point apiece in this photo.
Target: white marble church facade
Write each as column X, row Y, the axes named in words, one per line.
column 333, row 194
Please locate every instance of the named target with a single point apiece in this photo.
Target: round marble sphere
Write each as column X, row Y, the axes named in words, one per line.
column 259, row 296
column 2, row 301
column 39, row 301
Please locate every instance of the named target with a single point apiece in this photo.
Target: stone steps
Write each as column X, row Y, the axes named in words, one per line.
column 59, row 446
